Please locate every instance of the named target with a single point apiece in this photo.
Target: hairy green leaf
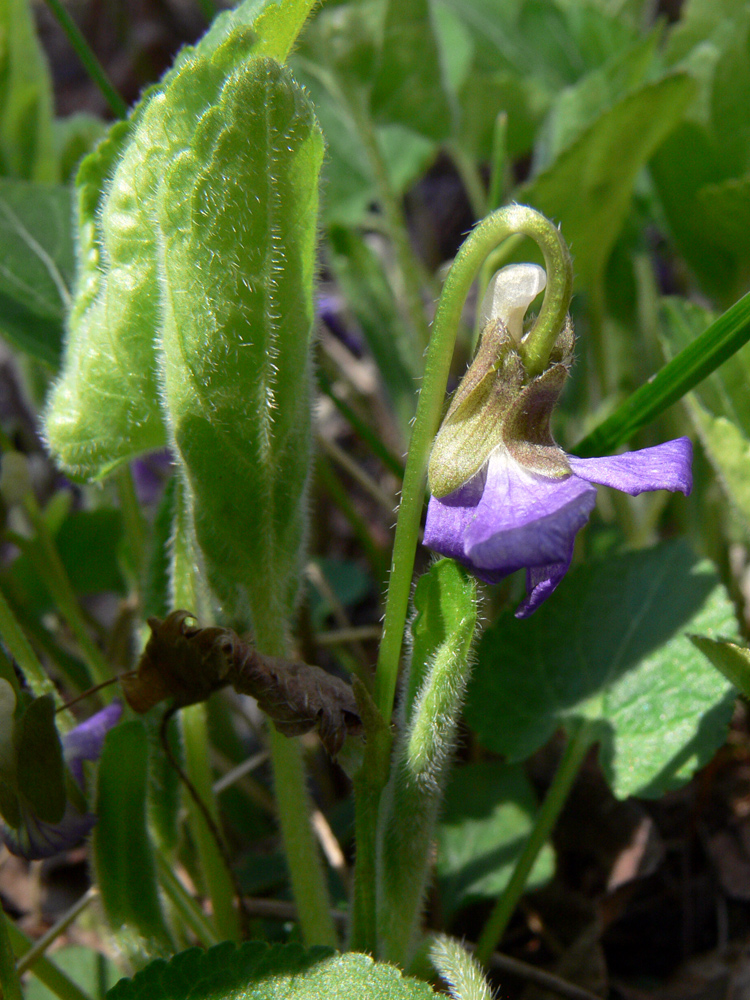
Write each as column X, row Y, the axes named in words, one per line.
column 106, row 407
column 443, row 631
column 235, row 366
column 257, row 971
column 611, row 647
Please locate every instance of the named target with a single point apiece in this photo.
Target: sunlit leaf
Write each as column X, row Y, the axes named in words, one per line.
column 611, row 647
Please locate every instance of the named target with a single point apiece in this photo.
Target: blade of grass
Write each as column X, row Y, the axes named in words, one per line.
column 368, row 436
column 84, row 52
column 45, row 969
column 694, row 363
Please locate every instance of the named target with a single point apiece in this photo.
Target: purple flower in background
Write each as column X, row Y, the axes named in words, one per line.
column 85, row 742
column 509, row 517
column 504, row 495
column 34, row 838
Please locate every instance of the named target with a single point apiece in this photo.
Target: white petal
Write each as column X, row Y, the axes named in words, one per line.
column 510, row 293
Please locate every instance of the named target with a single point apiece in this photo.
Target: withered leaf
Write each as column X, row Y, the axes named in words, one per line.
column 187, row 663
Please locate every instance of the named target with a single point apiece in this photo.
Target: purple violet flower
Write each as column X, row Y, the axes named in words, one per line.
column 34, row 838
column 509, row 517
column 504, row 495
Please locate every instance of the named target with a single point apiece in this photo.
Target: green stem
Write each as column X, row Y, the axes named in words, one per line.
column 93, row 67
column 499, row 163
column 423, row 755
column 49, row 565
column 45, row 970
column 575, row 751
column 369, row 782
column 294, row 808
column 396, row 222
column 134, row 522
column 37, row 950
column 20, row 649
column 187, row 592
column 483, row 239
column 219, row 885
column 301, row 850
column 186, row 906
column 10, row 983
column 470, row 178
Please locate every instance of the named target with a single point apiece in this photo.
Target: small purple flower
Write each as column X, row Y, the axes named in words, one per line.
column 85, row 742
column 509, row 517
column 504, row 495
column 34, row 838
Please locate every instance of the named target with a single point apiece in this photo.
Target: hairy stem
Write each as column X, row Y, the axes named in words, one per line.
column 301, row 849
column 187, row 592
column 294, row 810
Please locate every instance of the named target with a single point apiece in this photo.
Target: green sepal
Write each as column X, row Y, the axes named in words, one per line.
column 473, row 426
column 496, row 405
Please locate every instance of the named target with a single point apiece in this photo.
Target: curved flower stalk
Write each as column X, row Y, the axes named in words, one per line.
column 46, row 817
column 504, row 495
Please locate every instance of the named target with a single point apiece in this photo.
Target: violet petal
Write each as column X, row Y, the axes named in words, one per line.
column 525, row 519
column 85, row 742
column 664, row 467
column 540, row 582
column 35, row 840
